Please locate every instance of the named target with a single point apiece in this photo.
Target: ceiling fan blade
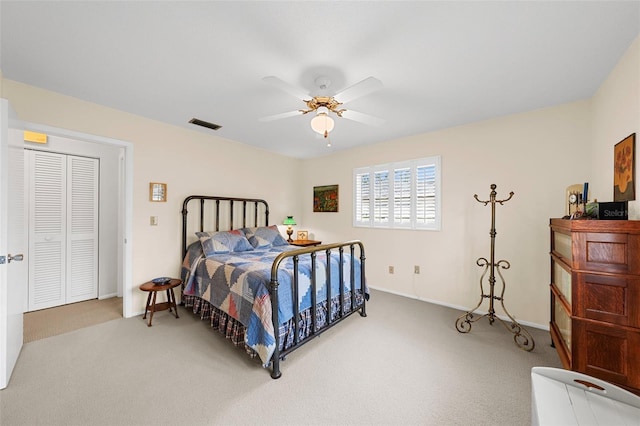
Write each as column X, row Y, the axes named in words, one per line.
column 280, row 116
column 362, row 118
column 364, row 87
column 286, row 87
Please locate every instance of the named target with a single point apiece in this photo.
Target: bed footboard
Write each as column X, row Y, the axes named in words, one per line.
column 357, row 303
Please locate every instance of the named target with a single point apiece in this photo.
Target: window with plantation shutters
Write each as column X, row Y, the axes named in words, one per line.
column 398, row 195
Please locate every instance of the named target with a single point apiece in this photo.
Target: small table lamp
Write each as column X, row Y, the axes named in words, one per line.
column 289, row 221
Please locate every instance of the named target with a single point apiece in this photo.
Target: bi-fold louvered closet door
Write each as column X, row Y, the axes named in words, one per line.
column 63, row 228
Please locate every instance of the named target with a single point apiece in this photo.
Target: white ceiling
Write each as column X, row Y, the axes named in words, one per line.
column 442, row 64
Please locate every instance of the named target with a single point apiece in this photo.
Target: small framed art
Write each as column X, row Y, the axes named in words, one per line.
column 325, row 198
column 157, row 191
column 624, row 169
column 302, row 235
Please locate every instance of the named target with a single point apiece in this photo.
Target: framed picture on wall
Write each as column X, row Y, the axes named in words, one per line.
column 157, row 191
column 325, row 198
column 624, row 169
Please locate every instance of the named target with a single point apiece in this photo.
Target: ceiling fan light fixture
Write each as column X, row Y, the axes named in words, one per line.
column 322, row 123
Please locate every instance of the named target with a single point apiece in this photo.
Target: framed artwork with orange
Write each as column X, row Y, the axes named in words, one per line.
column 325, row 198
column 624, row 169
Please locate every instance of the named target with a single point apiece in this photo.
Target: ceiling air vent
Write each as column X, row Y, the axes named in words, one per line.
column 203, row 123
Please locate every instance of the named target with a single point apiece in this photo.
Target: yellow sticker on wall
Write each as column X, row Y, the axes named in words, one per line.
column 35, row 137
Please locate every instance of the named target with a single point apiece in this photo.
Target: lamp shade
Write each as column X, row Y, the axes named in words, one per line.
column 289, row 221
column 322, row 123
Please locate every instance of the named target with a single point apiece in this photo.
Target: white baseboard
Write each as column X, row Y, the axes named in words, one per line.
column 460, row 308
column 107, row 296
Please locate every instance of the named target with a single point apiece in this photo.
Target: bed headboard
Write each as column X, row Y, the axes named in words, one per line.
column 217, row 213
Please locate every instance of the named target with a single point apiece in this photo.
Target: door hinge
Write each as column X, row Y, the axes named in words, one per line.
column 3, row 260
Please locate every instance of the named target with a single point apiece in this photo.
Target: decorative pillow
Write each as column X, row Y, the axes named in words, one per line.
column 223, row 242
column 265, row 236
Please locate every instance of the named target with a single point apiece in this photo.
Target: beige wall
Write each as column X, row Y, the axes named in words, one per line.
column 616, row 115
column 535, row 155
column 190, row 162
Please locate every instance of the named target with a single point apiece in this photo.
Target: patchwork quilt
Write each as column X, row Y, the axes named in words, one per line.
column 238, row 284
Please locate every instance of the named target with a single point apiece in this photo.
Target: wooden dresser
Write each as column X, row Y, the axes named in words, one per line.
column 595, row 298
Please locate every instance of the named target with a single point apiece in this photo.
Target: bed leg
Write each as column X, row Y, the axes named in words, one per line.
column 275, row 372
column 363, row 308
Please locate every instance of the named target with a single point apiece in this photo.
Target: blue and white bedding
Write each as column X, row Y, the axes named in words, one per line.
column 238, row 283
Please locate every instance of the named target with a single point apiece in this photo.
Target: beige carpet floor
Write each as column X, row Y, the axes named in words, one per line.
column 63, row 319
column 404, row 364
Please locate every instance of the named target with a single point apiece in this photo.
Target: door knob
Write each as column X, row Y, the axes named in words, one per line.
column 17, row 258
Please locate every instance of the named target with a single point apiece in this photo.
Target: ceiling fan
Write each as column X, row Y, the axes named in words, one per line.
column 323, row 104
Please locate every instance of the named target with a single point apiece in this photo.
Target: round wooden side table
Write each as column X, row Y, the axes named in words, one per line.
column 153, row 290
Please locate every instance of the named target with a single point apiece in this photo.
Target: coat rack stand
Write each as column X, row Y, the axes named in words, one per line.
column 463, row 324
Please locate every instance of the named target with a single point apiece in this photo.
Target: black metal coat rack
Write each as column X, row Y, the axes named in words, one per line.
column 463, row 324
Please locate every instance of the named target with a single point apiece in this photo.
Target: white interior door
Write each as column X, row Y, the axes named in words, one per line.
column 13, row 278
column 47, row 174
column 82, row 226
column 63, row 228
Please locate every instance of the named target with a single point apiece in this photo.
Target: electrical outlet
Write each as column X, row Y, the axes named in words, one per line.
column 391, row 269
column 416, row 269
column 153, row 220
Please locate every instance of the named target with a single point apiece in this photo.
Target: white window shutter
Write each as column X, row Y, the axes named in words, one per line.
column 402, row 197
column 381, row 197
column 82, row 225
column 362, row 207
column 427, row 202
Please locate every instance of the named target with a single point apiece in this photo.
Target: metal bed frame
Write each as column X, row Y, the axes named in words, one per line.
column 210, row 215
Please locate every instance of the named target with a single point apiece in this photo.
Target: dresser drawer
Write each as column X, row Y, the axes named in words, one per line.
column 606, row 351
column 610, row 298
column 606, row 252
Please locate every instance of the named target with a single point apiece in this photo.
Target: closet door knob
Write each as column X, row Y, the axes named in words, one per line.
column 17, row 258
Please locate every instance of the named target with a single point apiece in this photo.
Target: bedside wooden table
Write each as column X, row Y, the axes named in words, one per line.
column 153, row 290
column 305, row 243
